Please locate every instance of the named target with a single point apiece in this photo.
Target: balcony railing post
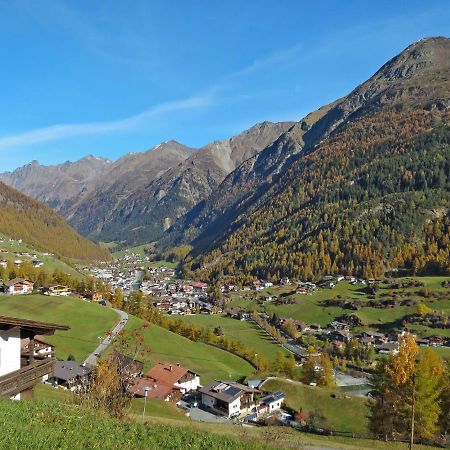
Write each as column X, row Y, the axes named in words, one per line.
column 24, row 378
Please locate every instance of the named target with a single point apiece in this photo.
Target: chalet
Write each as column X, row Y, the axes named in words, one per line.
column 18, row 372
column 339, row 326
column 301, row 326
column 228, row 398
column 188, row 289
column 271, row 402
column 3, row 250
column 37, row 263
column 41, row 348
column 339, row 335
column 128, row 365
column 376, row 337
column 436, row 341
column 257, row 286
column 199, row 287
column 18, row 286
column 3, row 263
column 255, row 384
column 266, row 283
column 57, row 289
column 95, row 297
column 176, row 376
column 423, row 342
column 285, row 281
column 70, row 374
column 388, row 348
column 145, row 387
column 166, row 382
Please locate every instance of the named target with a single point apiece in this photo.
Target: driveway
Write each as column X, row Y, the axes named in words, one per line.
column 106, row 342
column 200, row 415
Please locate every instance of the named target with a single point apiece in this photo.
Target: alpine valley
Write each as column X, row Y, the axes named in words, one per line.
column 359, row 186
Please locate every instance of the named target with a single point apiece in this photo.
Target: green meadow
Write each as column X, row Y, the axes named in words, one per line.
column 244, row 331
column 311, row 309
column 209, row 362
column 87, row 321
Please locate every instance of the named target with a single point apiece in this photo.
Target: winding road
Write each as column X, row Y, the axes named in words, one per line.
column 106, row 342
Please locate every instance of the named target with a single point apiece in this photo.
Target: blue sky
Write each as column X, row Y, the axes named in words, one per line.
column 106, row 78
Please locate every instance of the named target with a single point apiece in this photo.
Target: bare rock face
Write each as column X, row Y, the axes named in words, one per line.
column 145, row 213
column 417, row 77
column 58, row 186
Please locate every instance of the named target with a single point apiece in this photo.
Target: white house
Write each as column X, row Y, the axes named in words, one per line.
column 18, row 286
column 228, row 398
column 18, row 372
column 175, row 376
column 271, row 402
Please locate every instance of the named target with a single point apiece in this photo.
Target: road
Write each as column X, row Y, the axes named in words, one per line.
column 92, row 358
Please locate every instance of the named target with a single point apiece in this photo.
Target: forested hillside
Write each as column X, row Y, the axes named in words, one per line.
column 372, row 198
column 39, row 226
column 368, row 192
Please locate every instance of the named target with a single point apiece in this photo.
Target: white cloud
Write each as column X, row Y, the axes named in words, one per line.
column 56, row 132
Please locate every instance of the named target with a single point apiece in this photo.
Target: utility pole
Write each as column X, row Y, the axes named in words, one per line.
column 146, row 389
column 411, row 442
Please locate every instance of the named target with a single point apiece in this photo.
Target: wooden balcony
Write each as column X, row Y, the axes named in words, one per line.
column 25, row 378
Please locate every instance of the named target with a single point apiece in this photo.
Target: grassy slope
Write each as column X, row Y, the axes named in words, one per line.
column 54, row 425
column 155, row 407
column 342, row 414
column 244, row 331
column 87, row 321
column 209, row 362
column 51, row 263
column 308, row 308
column 42, row 425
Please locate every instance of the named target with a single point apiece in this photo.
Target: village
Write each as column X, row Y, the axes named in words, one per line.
column 27, row 355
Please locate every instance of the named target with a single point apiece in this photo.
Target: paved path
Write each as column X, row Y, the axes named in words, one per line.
column 92, row 358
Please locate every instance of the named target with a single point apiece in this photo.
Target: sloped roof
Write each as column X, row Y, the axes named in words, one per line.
column 33, row 325
column 155, row 390
column 167, row 374
column 17, row 280
column 275, row 396
column 68, row 370
column 227, row 391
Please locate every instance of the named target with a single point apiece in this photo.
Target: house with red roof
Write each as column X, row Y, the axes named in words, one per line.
column 165, row 381
column 199, row 286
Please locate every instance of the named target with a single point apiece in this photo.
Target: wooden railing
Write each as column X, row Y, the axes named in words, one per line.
column 26, row 377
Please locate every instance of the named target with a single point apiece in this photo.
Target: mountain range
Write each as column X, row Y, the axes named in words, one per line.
column 356, row 184
column 134, row 199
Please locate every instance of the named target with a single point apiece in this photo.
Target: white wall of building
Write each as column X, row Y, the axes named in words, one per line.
column 234, row 408
column 275, row 405
column 9, row 351
column 190, row 385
